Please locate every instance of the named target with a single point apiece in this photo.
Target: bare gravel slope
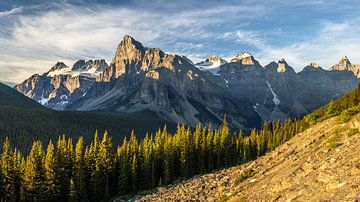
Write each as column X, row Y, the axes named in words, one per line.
column 320, row 164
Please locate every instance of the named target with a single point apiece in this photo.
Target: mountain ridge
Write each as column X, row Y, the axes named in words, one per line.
column 173, row 87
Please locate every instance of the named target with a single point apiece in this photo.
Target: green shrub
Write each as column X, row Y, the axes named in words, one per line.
column 332, row 142
column 245, row 175
column 346, row 115
column 352, row 132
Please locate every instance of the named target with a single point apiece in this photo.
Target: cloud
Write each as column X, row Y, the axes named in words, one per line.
column 11, row 12
column 67, row 32
column 332, row 40
column 37, row 36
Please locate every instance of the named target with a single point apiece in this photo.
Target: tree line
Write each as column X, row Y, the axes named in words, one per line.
column 63, row 171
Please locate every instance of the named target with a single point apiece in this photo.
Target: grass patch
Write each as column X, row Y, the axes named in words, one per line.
column 346, row 115
column 245, row 175
column 352, row 132
column 332, row 142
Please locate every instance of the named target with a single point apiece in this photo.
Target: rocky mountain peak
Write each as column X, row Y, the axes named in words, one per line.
column 245, row 58
column 129, row 45
column 91, row 65
column 282, row 66
column 215, row 59
column 58, row 66
column 314, row 65
column 344, row 64
column 344, row 60
column 78, row 65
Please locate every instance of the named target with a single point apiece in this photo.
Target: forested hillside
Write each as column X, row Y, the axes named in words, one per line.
column 63, row 171
column 23, row 120
column 9, row 96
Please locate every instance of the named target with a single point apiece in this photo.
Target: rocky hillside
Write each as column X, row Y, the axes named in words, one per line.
column 319, row 164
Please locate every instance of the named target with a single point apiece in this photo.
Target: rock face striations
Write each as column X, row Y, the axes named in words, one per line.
column 175, row 89
column 141, row 78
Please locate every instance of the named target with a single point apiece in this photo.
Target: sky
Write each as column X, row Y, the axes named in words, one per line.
column 35, row 34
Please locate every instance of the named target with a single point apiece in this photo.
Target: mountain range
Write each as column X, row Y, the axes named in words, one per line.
column 175, row 89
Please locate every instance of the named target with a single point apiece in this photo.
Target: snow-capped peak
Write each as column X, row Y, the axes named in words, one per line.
column 245, row 58
column 90, row 68
column 211, row 64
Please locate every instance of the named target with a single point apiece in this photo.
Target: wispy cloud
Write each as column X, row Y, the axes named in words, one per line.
column 11, row 12
column 71, row 32
column 33, row 38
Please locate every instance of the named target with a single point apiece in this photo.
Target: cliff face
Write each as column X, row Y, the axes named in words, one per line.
column 142, row 78
column 176, row 89
column 319, row 164
column 345, row 65
column 62, row 85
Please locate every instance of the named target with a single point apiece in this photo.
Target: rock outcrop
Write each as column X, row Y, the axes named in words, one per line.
column 345, row 64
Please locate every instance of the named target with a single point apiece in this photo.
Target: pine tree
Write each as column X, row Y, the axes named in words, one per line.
column 123, row 165
column 107, row 163
column 8, row 174
column 34, row 174
column 51, row 175
column 79, row 171
column 19, row 164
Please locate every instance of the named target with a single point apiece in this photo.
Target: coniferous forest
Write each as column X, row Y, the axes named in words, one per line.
column 63, row 171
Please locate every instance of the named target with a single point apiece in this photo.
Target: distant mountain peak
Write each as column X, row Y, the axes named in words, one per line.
column 314, row 65
column 344, row 64
column 245, row 58
column 211, row 64
column 129, row 44
column 90, row 65
column 58, row 66
column 282, row 66
column 215, row 59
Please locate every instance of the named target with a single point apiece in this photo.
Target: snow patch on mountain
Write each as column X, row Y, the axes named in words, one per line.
column 276, row 100
column 212, row 67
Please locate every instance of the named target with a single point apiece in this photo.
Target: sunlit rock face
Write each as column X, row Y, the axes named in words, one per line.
column 174, row 88
column 62, row 84
column 345, row 65
column 141, row 78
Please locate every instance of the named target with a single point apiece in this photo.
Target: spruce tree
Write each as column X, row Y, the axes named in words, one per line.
column 34, row 174
column 51, row 175
column 7, row 168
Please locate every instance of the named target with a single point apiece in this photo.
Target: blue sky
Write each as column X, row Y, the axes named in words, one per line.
column 35, row 34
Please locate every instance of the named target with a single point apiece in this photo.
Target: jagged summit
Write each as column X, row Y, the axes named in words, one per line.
column 215, row 59
column 130, row 43
column 314, row 65
column 245, row 58
column 283, row 66
column 280, row 67
column 344, row 64
column 58, row 66
column 211, row 64
column 90, row 65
